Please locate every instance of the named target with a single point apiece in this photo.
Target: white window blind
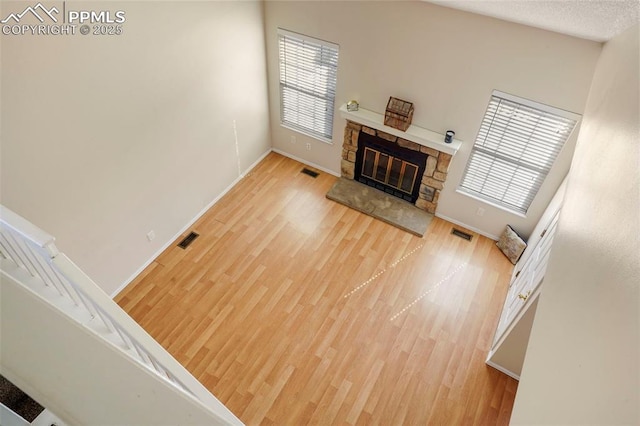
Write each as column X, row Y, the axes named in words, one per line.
column 308, row 72
column 515, row 148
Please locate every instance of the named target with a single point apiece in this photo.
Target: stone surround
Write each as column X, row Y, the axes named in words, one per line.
column 434, row 175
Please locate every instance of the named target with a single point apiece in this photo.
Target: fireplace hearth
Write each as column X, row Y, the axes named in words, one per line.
column 403, row 168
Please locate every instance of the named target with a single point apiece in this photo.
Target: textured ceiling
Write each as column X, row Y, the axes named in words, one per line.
column 598, row 20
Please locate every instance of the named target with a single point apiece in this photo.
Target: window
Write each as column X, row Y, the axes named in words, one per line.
column 516, row 146
column 308, row 70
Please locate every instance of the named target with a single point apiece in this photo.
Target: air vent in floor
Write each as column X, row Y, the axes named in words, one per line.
column 459, row 233
column 188, row 240
column 310, row 172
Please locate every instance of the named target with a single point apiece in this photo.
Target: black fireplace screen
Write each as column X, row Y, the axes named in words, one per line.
column 391, row 168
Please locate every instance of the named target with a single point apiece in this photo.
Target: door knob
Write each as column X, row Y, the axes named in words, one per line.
column 524, row 296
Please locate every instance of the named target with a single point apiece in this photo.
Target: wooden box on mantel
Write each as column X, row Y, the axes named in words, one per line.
column 399, row 114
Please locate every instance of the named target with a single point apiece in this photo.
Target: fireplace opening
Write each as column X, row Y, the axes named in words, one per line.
column 389, row 167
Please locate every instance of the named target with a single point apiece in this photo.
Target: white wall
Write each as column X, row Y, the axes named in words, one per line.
column 509, row 355
column 583, row 361
column 446, row 62
column 105, row 138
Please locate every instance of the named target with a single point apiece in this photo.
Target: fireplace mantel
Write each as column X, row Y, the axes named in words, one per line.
column 415, row 134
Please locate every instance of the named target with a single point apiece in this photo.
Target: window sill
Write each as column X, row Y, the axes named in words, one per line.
column 496, row 205
column 297, row 130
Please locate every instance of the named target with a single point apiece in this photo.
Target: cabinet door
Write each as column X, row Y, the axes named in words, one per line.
column 526, row 281
column 516, row 298
column 543, row 250
column 539, row 231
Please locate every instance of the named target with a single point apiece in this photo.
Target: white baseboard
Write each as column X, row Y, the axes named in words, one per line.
column 187, row 226
column 470, row 228
column 331, row 172
column 303, row 161
column 228, row 188
column 502, row 370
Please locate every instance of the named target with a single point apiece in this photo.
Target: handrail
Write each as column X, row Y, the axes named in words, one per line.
column 28, row 230
column 117, row 321
column 34, row 250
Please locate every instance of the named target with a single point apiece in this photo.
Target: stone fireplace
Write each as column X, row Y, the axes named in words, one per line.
column 390, row 163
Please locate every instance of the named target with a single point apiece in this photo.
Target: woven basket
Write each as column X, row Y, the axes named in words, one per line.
column 399, row 114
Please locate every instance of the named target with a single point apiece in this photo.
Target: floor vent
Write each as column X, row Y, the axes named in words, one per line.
column 188, row 240
column 459, row 233
column 310, row 172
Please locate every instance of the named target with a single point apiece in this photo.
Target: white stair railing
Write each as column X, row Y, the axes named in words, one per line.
column 33, row 250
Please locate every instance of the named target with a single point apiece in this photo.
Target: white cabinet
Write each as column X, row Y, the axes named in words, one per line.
column 512, row 332
column 527, row 277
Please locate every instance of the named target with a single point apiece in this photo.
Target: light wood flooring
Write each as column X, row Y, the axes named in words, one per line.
column 293, row 309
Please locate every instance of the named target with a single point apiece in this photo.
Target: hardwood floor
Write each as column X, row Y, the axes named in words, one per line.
column 293, row 309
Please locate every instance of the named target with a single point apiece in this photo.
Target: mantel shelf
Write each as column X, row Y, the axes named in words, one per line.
column 415, row 134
